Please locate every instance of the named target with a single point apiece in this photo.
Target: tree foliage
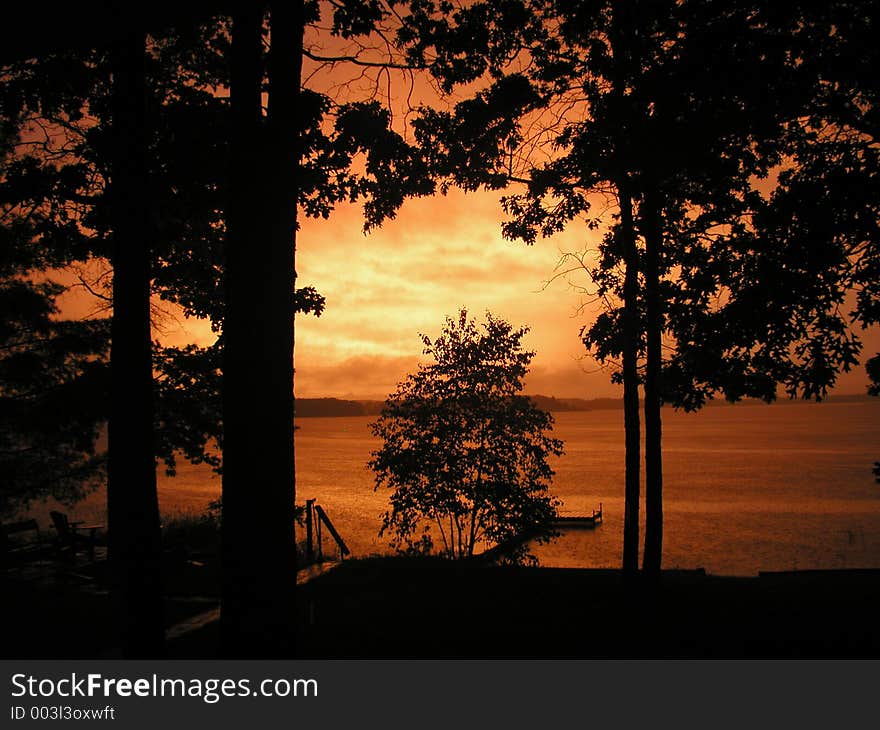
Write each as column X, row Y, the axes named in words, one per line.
column 53, row 378
column 464, row 454
column 56, row 122
column 698, row 110
column 734, row 143
column 52, row 398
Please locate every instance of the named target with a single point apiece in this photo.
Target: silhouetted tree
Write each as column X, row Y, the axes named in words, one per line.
column 485, row 141
column 188, row 186
column 258, row 524
column 85, row 132
column 52, row 398
column 464, row 453
column 810, row 240
column 277, row 163
column 132, row 503
column 717, row 139
column 53, row 384
column 53, row 376
column 678, row 110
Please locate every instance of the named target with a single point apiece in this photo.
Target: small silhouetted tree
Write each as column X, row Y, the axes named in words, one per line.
column 463, row 452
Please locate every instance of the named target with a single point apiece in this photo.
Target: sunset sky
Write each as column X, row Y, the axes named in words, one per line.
column 440, row 254
column 384, row 288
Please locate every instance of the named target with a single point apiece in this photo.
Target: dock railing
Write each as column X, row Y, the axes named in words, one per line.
column 317, row 521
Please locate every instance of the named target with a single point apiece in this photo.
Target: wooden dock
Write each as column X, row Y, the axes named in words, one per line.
column 580, row 522
column 573, row 521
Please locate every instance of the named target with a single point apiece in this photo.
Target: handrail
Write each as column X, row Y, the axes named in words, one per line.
column 322, row 516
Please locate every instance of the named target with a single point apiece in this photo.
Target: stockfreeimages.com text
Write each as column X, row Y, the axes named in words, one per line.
column 209, row 690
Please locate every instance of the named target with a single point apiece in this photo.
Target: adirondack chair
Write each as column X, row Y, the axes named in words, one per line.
column 73, row 535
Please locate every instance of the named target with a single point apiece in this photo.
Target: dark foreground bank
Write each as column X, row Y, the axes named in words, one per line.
column 412, row 609
column 425, row 608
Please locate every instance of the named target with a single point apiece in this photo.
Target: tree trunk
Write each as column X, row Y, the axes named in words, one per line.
column 132, row 504
column 257, row 617
column 622, row 45
column 285, row 81
column 632, row 429
column 653, row 397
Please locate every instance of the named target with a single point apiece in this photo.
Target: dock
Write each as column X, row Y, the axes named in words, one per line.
column 581, row 522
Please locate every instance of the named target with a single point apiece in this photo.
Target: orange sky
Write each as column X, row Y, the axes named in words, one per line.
column 384, row 288
column 440, row 254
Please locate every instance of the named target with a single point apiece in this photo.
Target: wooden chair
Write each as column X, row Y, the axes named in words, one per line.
column 72, row 535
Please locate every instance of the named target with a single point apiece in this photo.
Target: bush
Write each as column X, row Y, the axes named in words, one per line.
column 464, row 453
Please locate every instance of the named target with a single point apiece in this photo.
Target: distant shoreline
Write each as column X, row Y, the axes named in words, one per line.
column 339, row 407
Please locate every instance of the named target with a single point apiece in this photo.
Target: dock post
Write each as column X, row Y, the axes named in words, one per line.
column 320, row 542
column 310, row 544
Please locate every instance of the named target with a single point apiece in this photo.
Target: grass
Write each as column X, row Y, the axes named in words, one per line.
column 197, row 534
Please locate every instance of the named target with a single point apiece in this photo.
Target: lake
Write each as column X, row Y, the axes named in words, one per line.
column 747, row 487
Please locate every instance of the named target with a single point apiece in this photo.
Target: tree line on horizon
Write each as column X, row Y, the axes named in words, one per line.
column 341, row 407
column 329, row 407
column 724, row 153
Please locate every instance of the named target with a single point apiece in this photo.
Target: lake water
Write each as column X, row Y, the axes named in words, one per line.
column 747, row 487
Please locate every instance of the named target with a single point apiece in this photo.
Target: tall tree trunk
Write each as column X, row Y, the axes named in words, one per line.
column 246, row 473
column 653, row 421
column 257, row 617
column 285, row 81
column 632, row 428
column 622, row 46
column 132, row 504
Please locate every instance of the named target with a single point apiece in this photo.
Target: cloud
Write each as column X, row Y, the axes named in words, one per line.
column 374, row 377
column 438, row 255
column 574, row 379
column 366, row 377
